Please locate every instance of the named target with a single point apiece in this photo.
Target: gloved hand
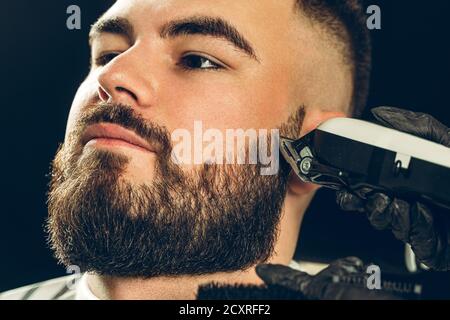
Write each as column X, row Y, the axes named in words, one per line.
column 329, row 284
column 427, row 232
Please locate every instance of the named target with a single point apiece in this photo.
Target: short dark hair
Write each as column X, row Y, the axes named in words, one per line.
column 346, row 21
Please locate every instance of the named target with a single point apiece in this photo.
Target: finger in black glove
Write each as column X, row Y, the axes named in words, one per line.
column 326, row 285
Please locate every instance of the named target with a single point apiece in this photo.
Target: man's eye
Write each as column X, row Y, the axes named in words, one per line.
column 105, row 58
column 193, row 62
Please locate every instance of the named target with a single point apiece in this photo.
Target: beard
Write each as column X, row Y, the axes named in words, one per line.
column 214, row 218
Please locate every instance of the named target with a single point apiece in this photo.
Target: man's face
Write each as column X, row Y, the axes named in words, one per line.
column 159, row 66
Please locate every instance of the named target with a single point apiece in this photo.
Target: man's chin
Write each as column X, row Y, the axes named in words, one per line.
column 138, row 167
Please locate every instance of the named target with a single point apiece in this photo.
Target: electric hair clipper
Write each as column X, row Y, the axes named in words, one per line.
column 361, row 156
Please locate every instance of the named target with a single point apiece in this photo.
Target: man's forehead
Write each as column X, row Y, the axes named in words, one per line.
column 244, row 13
column 258, row 5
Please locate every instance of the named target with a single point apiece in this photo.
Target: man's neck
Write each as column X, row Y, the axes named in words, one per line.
column 164, row 288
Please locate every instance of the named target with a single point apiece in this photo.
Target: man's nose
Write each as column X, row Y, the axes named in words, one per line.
column 125, row 80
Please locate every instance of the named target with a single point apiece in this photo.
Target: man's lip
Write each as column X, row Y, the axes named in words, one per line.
column 109, row 131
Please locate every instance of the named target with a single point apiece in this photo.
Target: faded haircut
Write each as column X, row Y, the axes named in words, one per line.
column 345, row 20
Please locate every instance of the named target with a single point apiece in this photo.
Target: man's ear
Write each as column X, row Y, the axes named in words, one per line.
column 313, row 118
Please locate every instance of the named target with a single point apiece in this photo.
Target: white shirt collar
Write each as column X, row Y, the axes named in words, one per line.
column 83, row 292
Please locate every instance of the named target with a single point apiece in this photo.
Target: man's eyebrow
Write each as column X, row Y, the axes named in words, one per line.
column 116, row 25
column 209, row 26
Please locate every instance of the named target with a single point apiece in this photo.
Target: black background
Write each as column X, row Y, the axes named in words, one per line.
column 42, row 64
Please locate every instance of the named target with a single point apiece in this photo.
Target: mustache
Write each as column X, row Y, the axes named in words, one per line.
column 127, row 117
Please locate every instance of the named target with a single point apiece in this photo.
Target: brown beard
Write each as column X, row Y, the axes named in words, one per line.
column 215, row 218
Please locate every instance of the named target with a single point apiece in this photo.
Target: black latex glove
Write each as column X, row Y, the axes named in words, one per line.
column 427, row 232
column 329, row 284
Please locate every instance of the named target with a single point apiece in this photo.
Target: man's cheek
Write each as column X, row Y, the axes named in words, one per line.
column 84, row 97
column 217, row 106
